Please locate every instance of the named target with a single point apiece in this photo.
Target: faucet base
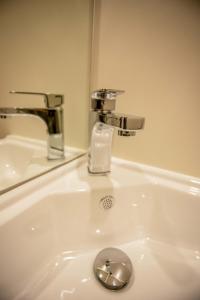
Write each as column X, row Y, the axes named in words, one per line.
column 98, row 173
column 55, row 147
column 99, row 158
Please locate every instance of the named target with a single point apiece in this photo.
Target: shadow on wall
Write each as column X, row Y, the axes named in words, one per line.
column 3, row 130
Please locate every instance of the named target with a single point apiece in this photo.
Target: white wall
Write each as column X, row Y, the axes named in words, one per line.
column 151, row 49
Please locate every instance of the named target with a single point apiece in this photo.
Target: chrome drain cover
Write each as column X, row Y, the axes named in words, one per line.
column 113, row 268
column 106, row 202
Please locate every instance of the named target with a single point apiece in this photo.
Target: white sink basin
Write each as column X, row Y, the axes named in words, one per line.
column 22, row 158
column 51, row 235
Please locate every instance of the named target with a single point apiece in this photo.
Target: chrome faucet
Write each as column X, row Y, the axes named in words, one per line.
column 52, row 115
column 102, row 123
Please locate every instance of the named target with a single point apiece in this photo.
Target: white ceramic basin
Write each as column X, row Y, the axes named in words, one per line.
column 22, row 158
column 52, row 229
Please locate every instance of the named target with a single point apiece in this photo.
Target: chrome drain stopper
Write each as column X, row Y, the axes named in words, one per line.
column 113, row 268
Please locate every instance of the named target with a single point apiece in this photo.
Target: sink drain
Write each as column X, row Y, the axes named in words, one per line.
column 106, row 202
column 113, row 268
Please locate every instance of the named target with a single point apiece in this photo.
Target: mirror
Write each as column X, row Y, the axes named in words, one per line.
column 45, row 47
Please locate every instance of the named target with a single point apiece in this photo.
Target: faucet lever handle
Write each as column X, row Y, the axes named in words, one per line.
column 101, row 99
column 51, row 100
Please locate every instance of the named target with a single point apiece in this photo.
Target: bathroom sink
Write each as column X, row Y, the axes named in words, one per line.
column 52, row 229
column 23, row 158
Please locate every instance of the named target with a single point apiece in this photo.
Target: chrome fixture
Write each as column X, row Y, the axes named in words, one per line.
column 102, row 124
column 107, row 202
column 113, row 268
column 52, row 115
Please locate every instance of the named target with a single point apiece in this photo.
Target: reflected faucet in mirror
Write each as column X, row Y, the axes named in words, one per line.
column 103, row 122
column 52, row 115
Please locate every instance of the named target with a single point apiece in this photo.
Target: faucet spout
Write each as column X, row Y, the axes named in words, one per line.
column 52, row 116
column 49, row 116
column 127, row 123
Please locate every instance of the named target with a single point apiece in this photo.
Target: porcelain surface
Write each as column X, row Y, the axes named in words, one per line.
column 22, row 158
column 52, row 228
